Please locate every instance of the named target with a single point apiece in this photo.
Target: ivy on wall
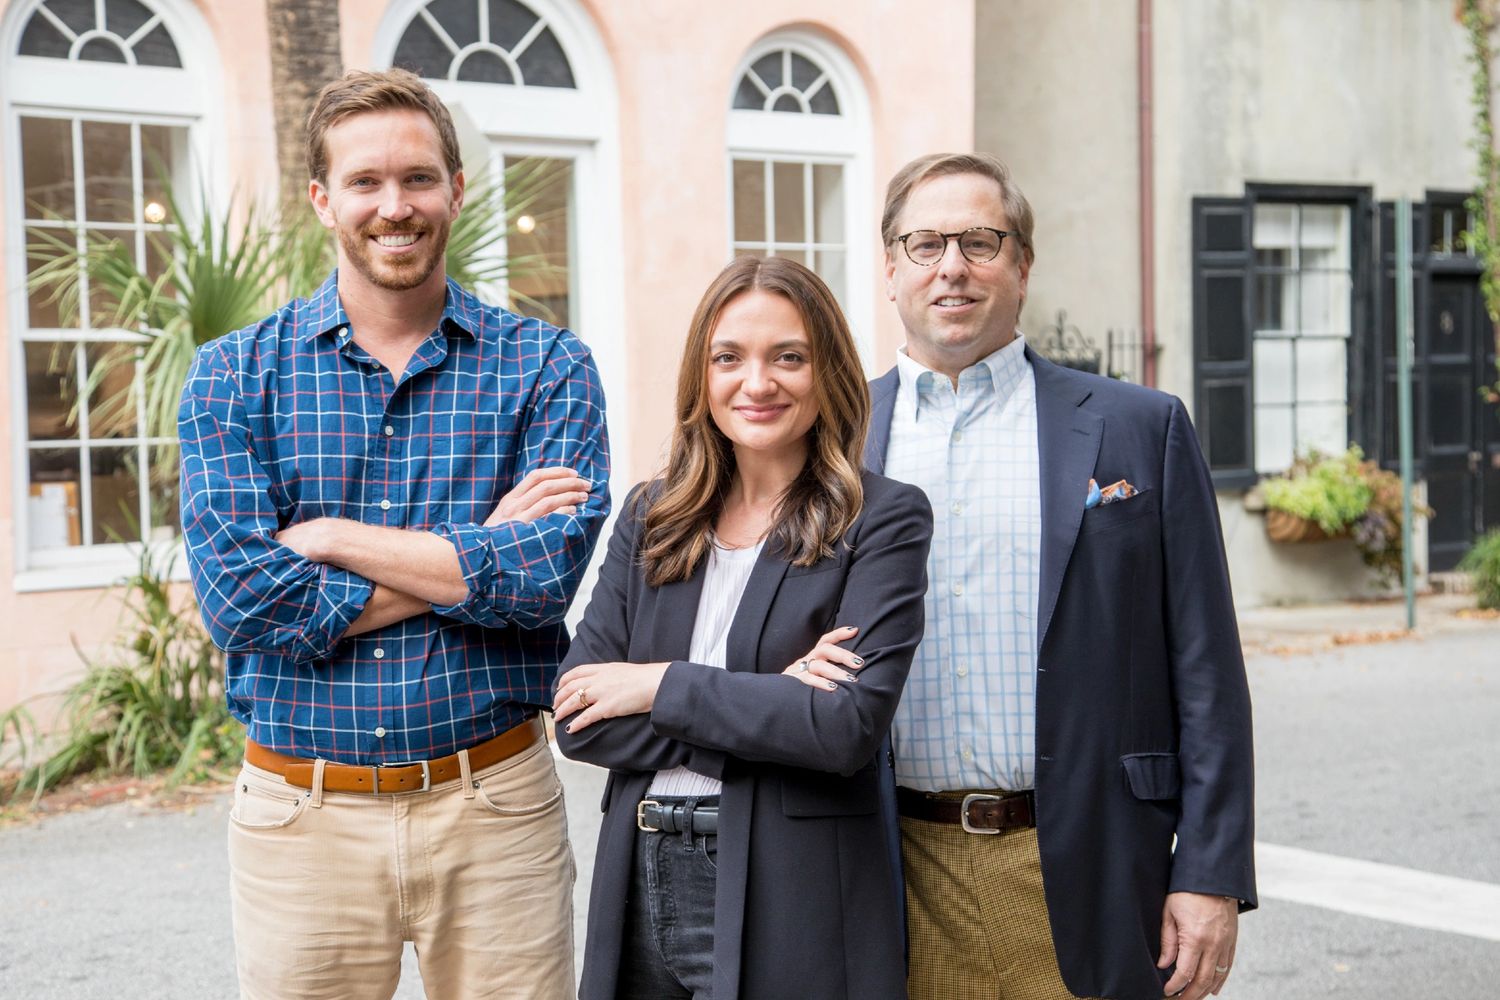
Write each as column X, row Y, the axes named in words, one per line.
column 1479, row 19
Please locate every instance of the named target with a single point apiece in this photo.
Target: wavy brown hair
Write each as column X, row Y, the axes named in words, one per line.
column 825, row 498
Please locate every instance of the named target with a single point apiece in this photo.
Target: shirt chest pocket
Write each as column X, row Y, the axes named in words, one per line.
column 458, row 463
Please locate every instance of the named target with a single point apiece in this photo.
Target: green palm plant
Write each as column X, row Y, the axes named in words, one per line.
column 227, row 271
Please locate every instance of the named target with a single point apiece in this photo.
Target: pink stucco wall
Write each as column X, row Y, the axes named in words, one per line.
column 671, row 64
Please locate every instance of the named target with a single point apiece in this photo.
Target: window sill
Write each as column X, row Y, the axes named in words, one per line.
column 108, row 566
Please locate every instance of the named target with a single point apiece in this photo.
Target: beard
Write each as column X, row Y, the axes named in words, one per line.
column 400, row 272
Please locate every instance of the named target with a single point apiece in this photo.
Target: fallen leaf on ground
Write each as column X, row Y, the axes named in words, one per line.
column 1362, row 638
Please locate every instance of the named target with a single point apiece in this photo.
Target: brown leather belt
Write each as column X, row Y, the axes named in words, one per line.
column 976, row 812
column 386, row 779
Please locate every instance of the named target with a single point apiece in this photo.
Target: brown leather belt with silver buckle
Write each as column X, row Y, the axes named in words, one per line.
column 976, row 812
column 387, row 779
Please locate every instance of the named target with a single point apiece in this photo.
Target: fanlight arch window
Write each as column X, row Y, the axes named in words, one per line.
column 484, row 41
column 788, row 81
column 108, row 31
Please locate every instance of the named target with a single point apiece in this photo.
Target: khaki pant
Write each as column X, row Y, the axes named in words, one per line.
column 477, row 873
column 976, row 917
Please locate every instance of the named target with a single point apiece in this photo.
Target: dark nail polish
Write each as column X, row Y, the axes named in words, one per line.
column 859, row 661
column 832, row 686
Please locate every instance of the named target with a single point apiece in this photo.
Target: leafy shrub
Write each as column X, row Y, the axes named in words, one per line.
column 156, row 701
column 1331, row 490
column 1347, row 494
column 1482, row 562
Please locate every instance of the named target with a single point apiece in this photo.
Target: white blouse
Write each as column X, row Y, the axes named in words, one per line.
column 724, row 581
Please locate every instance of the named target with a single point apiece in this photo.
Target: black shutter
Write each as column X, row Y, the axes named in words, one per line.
column 1223, row 385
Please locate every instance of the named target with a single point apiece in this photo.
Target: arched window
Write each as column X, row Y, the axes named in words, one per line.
column 100, row 115
column 117, row 31
column 531, row 91
column 484, row 41
column 798, row 165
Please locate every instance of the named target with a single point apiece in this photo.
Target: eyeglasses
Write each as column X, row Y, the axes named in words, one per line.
column 979, row 245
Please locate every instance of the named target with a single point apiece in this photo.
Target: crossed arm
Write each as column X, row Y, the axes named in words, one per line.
column 414, row 570
column 298, row 590
column 647, row 716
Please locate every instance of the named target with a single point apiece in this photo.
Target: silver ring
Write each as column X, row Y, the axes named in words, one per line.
column 803, row 666
column 1221, row 969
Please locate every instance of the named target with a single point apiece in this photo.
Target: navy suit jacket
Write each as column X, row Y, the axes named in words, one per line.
column 1142, row 708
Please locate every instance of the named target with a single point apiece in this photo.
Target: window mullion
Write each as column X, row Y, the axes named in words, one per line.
column 770, row 202
column 807, row 212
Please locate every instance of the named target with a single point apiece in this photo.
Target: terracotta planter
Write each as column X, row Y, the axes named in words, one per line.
column 1284, row 527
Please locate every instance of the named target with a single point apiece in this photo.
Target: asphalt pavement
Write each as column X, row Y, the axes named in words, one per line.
column 1370, row 747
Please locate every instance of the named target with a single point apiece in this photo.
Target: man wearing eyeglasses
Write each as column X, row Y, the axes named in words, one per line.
column 1079, row 699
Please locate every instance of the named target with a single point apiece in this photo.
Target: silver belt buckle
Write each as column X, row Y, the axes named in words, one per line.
column 963, row 813
column 426, row 773
column 640, row 814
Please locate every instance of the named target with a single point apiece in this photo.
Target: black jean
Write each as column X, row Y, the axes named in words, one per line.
column 669, row 918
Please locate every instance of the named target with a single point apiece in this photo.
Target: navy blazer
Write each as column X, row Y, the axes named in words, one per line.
column 804, row 905
column 1142, row 708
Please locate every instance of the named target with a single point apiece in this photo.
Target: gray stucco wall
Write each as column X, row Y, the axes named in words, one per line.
column 1369, row 93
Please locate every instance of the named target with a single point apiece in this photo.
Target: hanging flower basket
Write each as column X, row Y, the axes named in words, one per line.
column 1282, row 526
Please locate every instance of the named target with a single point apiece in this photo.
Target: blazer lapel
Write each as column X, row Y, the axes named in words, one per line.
column 676, row 610
column 1067, row 448
column 755, row 605
column 882, row 406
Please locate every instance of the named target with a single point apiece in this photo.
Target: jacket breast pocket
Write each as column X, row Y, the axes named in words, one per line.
column 1112, row 515
column 813, row 793
column 1153, row 776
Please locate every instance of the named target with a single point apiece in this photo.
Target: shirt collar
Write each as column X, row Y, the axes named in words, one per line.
column 1001, row 371
column 322, row 312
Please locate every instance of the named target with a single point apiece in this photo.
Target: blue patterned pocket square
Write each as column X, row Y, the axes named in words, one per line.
column 1113, row 493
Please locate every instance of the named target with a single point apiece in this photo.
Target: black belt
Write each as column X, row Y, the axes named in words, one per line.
column 976, row 812
column 695, row 816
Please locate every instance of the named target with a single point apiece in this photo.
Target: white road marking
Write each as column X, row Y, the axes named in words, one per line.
column 1384, row 892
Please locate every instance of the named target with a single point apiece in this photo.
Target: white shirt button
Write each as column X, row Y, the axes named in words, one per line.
column 963, row 670
column 389, row 430
column 958, row 436
column 380, row 732
column 958, row 590
column 968, row 754
column 958, row 507
column 379, row 652
column 385, row 505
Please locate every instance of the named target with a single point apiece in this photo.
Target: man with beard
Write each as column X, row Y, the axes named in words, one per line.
column 389, row 492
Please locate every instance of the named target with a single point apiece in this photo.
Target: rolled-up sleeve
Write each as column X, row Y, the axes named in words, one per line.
column 255, row 594
column 526, row 573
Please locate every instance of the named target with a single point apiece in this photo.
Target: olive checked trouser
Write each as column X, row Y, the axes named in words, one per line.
column 976, row 917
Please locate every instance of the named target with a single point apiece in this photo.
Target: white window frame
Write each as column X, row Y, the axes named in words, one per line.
column 580, row 124
column 843, row 139
column 37, row 85
column 1297, row 338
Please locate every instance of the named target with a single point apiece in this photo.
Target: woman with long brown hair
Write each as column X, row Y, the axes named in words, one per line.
column 738, row 667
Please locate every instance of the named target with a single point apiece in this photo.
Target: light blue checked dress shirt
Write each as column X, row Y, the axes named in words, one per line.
column 968, row 717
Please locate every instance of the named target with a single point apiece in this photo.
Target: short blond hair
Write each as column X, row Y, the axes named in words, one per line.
column 361, row 91
column 1017, row 209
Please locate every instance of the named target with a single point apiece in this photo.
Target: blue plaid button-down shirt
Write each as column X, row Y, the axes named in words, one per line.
column 290, row 420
